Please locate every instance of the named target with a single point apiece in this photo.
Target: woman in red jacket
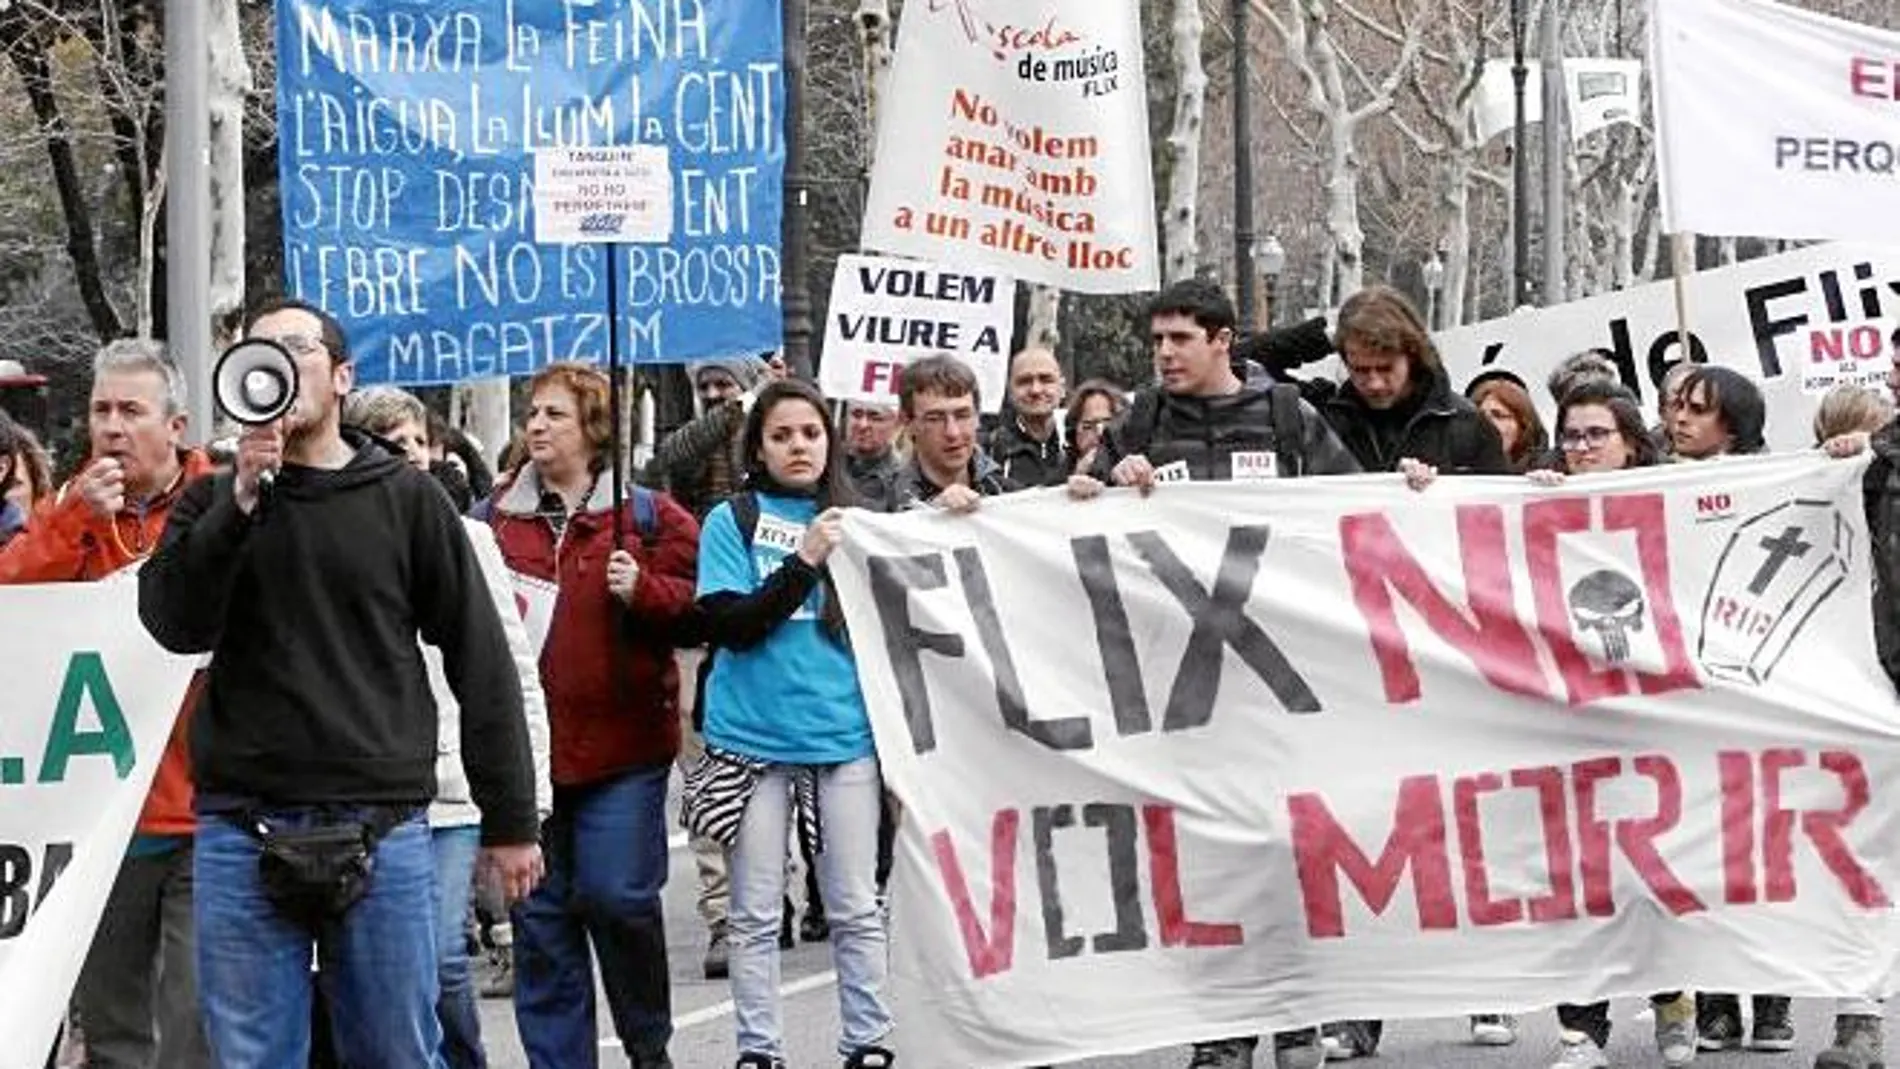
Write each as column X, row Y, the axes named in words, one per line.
column 602, row 619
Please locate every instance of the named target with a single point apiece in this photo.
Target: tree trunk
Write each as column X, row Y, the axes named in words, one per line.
column 485, row 415
column 30, row 59
column 230, row 82
column 1179, row 237
column 1455, row 199
column 1045, row 314
column 874, row 36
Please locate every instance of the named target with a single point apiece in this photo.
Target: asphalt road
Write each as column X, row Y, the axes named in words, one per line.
column 704, row 1037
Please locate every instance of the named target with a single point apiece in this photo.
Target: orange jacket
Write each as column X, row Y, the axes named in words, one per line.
column 66, row 542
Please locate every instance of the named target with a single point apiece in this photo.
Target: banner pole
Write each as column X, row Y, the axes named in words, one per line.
column 1682, row 261
column 613, row 382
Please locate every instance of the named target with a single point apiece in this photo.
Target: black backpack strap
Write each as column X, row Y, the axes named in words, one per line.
column 745, row 513
column 1289, row 429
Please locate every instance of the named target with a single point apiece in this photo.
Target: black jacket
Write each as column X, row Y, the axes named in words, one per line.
column 912, row 489
column 1282, row 349
column 1435, row 425
column 1207, row 433
column 311, row 608
column 1881, row 498
column 873, row 477
column 1025, row 461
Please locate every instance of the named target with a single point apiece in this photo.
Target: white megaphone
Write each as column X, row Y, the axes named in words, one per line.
column 255, row 383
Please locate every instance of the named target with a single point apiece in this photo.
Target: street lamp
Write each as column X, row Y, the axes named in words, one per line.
column 1269, row 258
column 1434, row 272
column 1520, row 164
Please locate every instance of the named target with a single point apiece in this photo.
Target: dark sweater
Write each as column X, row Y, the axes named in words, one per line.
column 311, row 608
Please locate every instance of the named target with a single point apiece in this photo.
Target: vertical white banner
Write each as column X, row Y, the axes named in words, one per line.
column 88, row 707
column 1775, row 122
column 1015, row 140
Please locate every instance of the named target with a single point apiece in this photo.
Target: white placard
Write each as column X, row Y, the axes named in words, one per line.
column 1014, row 139
column 886, row 312
column 599, row 195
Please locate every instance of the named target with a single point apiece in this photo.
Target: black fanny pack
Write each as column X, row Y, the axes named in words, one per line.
column 315, row 874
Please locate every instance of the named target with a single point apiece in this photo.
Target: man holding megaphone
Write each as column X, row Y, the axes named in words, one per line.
column 309, row 573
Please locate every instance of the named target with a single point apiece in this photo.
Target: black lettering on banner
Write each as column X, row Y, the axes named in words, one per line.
column 16, row 896
column 892, row 580
column 1767, row 330
column 1124, row 876
column 1121, row 663
column 1220, row 620
column 52, row 866
column 1046, row 819
column 1067, row 733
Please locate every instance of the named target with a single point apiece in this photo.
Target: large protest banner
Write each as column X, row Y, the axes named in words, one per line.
column 1234, row 758
column 885, row 312
column 1014, row 139
column 407, row 132
column 88, row 705
column 1796, row 323
column 1775, row 121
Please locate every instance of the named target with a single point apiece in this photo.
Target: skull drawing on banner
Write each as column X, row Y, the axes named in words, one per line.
column 1611, row 605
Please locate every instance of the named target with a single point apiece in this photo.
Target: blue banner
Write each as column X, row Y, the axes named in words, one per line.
column 406, row 130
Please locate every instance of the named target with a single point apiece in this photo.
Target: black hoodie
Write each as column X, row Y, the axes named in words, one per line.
column 311, row 608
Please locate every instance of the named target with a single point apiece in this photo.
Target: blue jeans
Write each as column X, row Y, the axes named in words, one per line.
column 850, row 798
column 455, row 850
column 378, row 960
column 605, row 847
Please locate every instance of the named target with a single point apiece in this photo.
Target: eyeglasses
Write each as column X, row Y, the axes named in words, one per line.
column 1583, row 438
column 300, row 344
column 937, row 421
column 1093, row 424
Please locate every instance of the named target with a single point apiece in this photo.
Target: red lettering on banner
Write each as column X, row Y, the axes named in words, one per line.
column 881, row 377
column 1738, row 829
column 1823, row 829
column 1880, row 79
column 1559, row 858
column 1777, row 826
column 1484, row 910
column 1322, row 850
column 1164, row 869
column 1593, row 834
column 995, row 951
column 1487, row 630
column 1638, row 837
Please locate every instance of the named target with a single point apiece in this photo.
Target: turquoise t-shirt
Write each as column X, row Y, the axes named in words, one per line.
column 794, row 698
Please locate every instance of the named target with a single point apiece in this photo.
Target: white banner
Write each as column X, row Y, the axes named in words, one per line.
column 88, row 706
column 1237, row 758
column 1014, row 139
column 1796, row 323
column 886, row 312
column 1775, row 122
column 1602, row 93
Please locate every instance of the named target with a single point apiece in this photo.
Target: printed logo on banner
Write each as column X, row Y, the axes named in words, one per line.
column 1778, row 568
column 1608, row 605
column 1712, row 507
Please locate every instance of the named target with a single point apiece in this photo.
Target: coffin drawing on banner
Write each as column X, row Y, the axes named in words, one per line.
column 1778, row 568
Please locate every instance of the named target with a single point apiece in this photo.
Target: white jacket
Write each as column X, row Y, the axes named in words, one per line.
column 454, row 806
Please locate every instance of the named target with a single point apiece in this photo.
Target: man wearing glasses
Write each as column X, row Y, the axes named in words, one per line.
column 948, row 469
column 314, row 747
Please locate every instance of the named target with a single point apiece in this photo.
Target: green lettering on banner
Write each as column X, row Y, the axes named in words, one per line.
column 86, row 675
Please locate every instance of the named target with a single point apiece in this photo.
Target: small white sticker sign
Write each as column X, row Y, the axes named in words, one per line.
column 1176, row 472
column 598, row 195
column 1255, row 466
column 779, row 534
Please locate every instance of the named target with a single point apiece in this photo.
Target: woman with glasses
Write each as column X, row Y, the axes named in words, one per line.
column 1096, row 404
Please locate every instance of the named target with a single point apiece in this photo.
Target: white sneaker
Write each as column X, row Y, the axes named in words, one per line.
column 1580, row 1053
column 1494, row 1030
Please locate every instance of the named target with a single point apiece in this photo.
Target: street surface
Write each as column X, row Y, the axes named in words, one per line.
column 703, row 1020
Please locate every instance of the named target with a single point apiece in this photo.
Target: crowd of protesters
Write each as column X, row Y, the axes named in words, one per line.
column 563, row 643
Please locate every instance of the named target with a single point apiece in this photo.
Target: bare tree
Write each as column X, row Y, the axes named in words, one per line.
column 230, row 82
column 1343, row 97
column 1179, row 235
